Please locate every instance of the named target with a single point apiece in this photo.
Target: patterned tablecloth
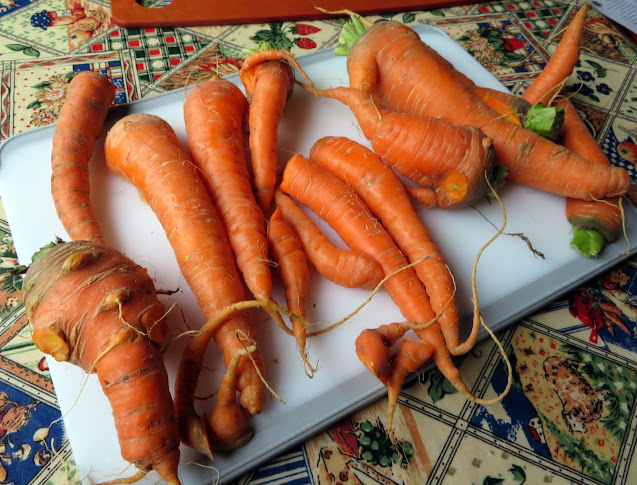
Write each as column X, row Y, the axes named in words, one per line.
column 576, row 427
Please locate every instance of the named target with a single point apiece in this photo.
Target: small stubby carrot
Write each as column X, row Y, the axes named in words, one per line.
column 402, row 73
column 385, row 195
column 452, row 162
column 215, row 114
column 345, row 267
column 293, row 267
column 93, row 307
column 549, row 82
column 144, row 150
column 268, row 78
column 88, row 99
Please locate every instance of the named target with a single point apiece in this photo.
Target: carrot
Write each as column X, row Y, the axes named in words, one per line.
column 384, row 193
column 144, row 150
column 215, row 113
column 403, row 74
column 595, row 222
column 512, row 108
column 348, row 215
column 95, row 308
column 79, row 124
column 373, row 344
column 549, row 82
column 228, row 411
column 589, row 218
column 268, row 79
column 351, row 269
column 453, row 162
column 293, row 267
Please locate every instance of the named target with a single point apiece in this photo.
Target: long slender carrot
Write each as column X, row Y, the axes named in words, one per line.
column 79, row 124
column 292, row 263
column 144, row 150
column 215, row 113
column 268, row 79
column 348, row 215
column 391, row 63
column 92, row 306
column 345, row 267
column 384, row 193
column 549, row 82
column 454, row 162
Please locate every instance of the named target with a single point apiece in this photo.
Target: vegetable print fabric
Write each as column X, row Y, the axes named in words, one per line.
column 570, row 416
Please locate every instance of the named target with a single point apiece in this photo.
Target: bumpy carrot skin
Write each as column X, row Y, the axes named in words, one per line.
column 393, row 65
column 384, row 193
column 345, row 267
column 144, row 150
column 215, row 113
column 93, row 307
column 348, row 215
column 88, row 98
column 293, row 267
column 268, row 79
column 453, row 162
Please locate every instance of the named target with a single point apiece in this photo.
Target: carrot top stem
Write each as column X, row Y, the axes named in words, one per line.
column 589, row 242
column 351, row 32
column 264, row 45
column 545, row 120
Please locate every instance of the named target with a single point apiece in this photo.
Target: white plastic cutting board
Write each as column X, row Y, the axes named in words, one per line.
column 512, row 281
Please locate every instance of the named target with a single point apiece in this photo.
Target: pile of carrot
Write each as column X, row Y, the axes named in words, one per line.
column 236, row 217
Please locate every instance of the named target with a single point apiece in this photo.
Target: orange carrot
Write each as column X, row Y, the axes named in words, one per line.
column 268, row 79
column 384, row 193
column 344, row 267
column 604, row 216
column 79, row 124
column 92, row 306
column 403, row 74
column 512, row 108
column 549, row 82
column 373, row 344
column 215, row 113
column 348, row 215
column 228, row 411
column 453, row 162
column 144, row 150
column 292, row 264
column 595, row 222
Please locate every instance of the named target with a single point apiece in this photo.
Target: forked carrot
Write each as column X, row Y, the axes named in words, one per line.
column 392, row 64
column 79, row 124
column 385, row 195
column 348, row 215
column 144, row 150
column 345, row 267
column 215, row 113
column 292, row 264
column 268, row 79
column 453, row 162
